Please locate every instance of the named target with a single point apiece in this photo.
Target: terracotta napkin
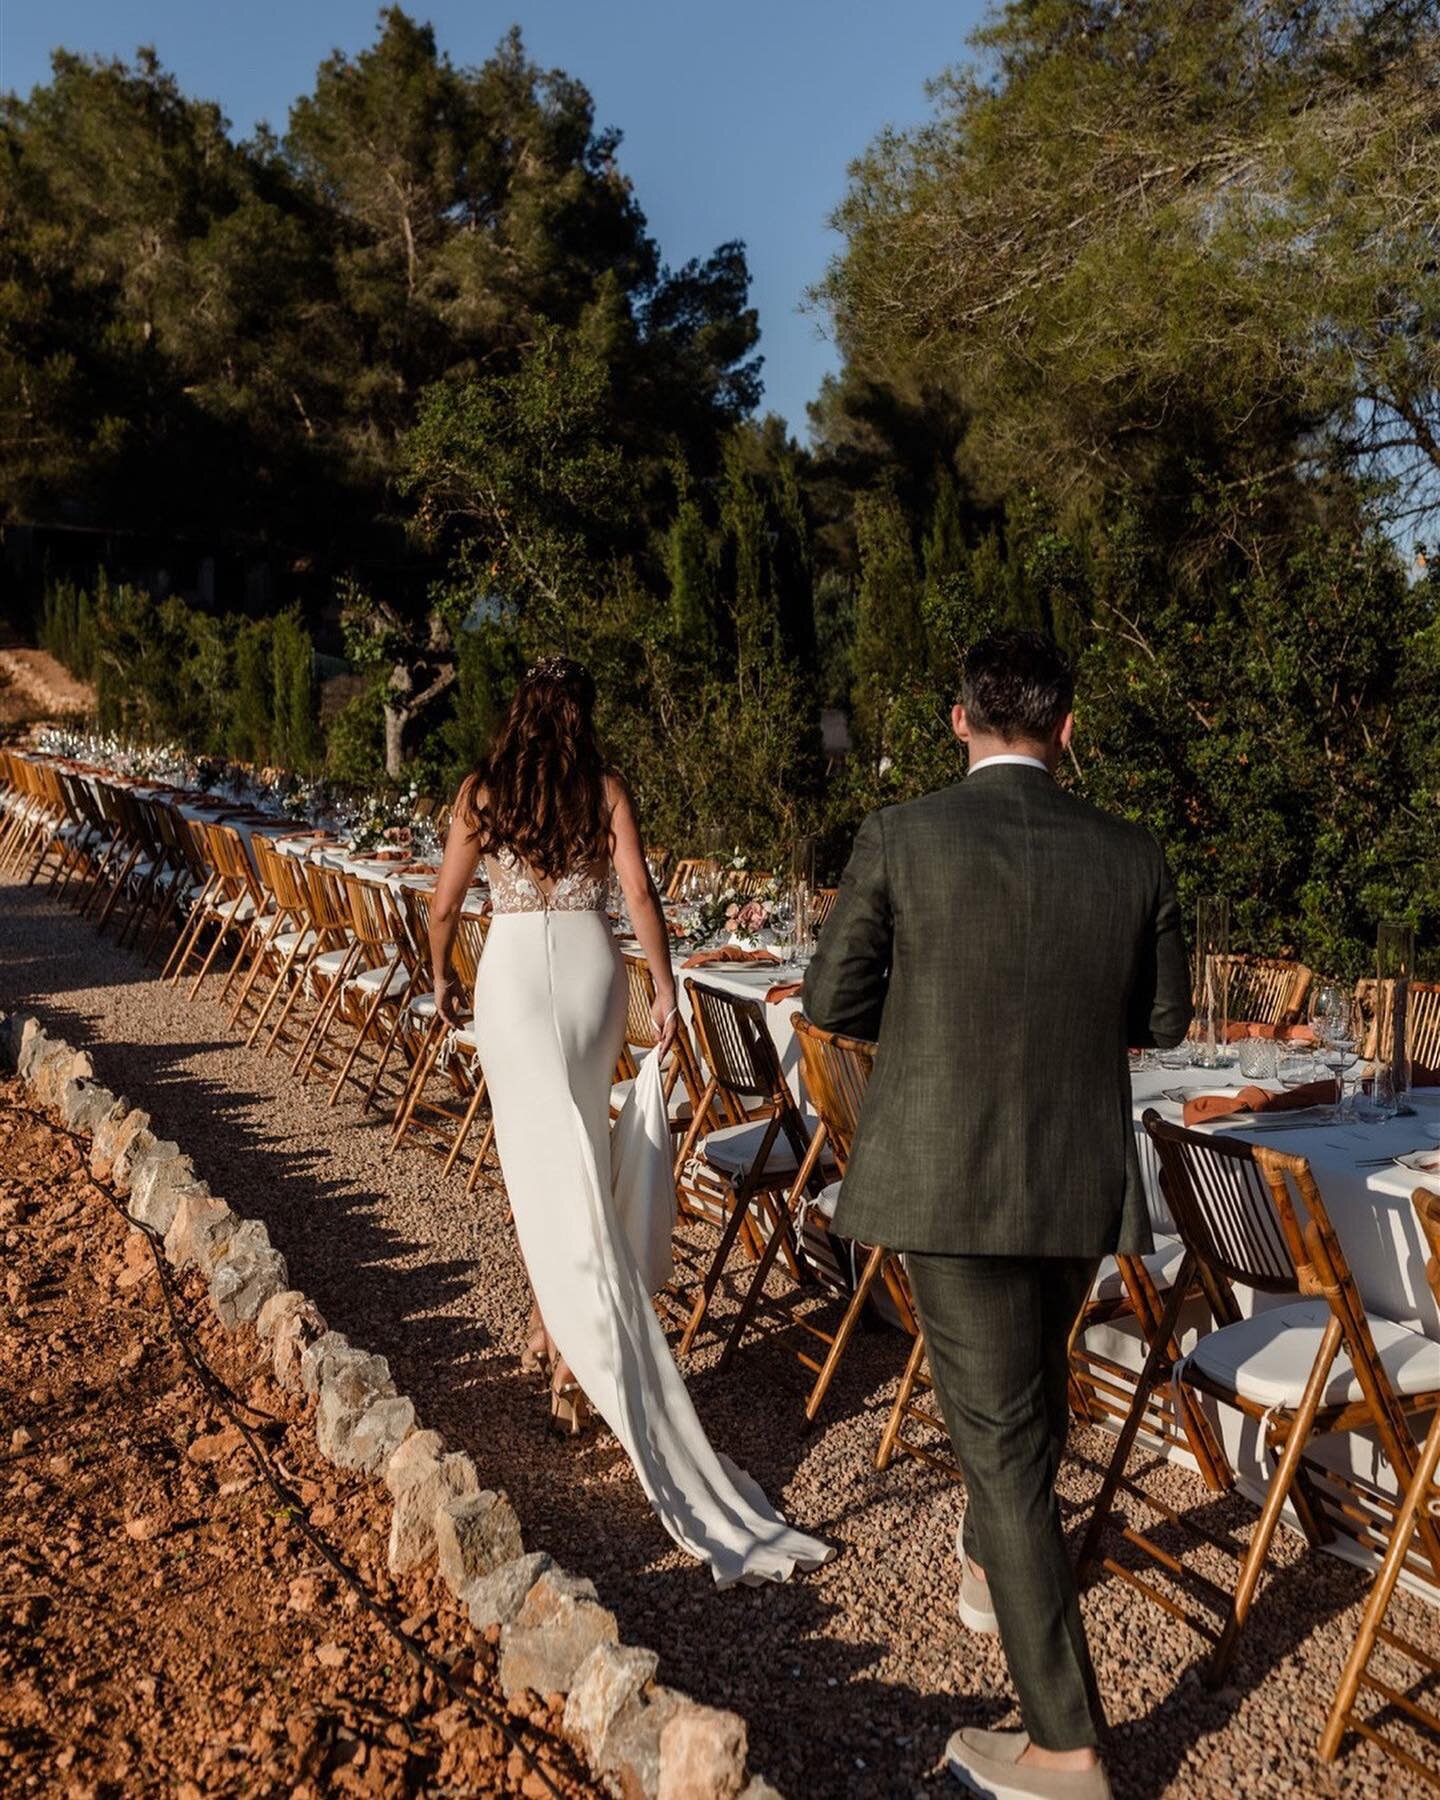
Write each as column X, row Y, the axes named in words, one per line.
column 1285, row 1034
column 1206, row 1108
column 727, row 953
column 783, row 990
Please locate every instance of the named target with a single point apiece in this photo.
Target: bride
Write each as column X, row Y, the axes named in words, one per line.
column 551, row 821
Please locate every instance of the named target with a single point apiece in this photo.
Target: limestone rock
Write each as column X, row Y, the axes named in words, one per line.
column 109, row 1134
column 313, row 1364
column 33, row 1043
column 141, row 1145
column 412, row 1524
column 759, row 1788
column 702, row 1755
column 473, row 1535
column 279, row 1306
column 554, row 1631
column 247, row 1272
column 632, row 1745
column 379, row 1431
column 157, row 1183
column 413, row 1459
column 611, row 1679
column 295, row 1331
column 496, row 1598
column 199, row 1232
column 350, row 1383
column 56, row 1065
column 83, row 1104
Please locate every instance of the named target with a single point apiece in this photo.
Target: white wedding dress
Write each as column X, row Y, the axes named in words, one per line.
column 549, row 1020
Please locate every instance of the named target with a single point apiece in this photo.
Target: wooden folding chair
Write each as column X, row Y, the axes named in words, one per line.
column 691, row 873
column 683, row 1081
column 309, row 968
column 735, row 1176
column 1132, row 1291
column 326, row 971
column 451, row 1053
column 822, row 904
column 837, row 1071
column 1374, row 1001
column 1418, row 1503
column 282, row 931
column 1263, row 990
column 1253, row 1216
column 375, row 975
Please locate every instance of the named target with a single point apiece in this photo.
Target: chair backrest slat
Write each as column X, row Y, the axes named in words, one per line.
column 837, row 1072
column 736, row 1043
column 1232, row 1205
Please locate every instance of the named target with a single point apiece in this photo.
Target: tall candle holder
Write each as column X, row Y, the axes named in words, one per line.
column 1394, row 968
column 1212, row 981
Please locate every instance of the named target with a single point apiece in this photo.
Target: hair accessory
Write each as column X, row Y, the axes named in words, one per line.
column 551, row 668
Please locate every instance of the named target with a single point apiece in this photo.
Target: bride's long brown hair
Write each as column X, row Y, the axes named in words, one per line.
column 541, row 790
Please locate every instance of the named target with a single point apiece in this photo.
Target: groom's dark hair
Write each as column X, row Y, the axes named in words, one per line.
column 1016, row 684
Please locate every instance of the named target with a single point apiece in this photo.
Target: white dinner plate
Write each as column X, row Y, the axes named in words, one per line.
column 1420, row 1162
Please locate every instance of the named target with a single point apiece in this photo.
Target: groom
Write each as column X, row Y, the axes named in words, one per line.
column 1006, row 942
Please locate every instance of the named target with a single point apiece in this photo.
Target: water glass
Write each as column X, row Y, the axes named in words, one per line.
column 1259, row 1058
column 1177, row 1056
column 1295, row 1068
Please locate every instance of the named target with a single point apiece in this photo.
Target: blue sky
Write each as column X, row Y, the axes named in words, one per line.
column 739, row 120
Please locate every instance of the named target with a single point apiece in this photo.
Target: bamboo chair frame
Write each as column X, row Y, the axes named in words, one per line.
column 683, row 1069
column 1255, row 1216
column 822, row 904
column 280, row 882
column 837, row 1071
column 1263, row 990
column 417, row 1112
column 1374, row 999
column 1420, row 1500
column 746, row 1085
column 328, row 899
column 688, row 869
column 326, row 922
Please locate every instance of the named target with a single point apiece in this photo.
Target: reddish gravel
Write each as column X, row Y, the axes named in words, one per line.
column 164, row 1626
column 850, row 1679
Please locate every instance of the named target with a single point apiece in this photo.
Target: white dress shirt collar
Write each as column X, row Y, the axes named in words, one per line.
column 994, row 762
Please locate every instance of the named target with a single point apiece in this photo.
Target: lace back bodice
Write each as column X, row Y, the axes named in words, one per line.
column 513, row 888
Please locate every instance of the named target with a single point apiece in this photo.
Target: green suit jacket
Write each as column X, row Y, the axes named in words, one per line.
column 1006, row 942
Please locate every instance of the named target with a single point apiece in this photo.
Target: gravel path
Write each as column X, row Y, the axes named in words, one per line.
column 851, row 1678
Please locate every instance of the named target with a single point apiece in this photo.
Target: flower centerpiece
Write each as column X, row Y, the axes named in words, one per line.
column 384, row 822
column 741, row 912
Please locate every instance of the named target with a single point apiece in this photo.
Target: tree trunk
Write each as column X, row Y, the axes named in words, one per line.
column 397, row 717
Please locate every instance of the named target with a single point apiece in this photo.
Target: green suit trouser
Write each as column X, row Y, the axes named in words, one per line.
column 996, row 1329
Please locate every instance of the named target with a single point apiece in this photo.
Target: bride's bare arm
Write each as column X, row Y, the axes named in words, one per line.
column 456, row 873
column 643, row 903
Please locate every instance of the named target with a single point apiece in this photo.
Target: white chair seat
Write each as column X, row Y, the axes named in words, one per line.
column 329, row 961
column 827, row 1200
column 733, row 1148
column 242, row 915
column 394, row 981
column 678, row 1105
column 422, row 1006
column 286, row 941
column 1268, row 1359
column 1163, row 1263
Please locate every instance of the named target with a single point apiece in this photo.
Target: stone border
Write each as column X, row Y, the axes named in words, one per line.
column 554, row 1635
